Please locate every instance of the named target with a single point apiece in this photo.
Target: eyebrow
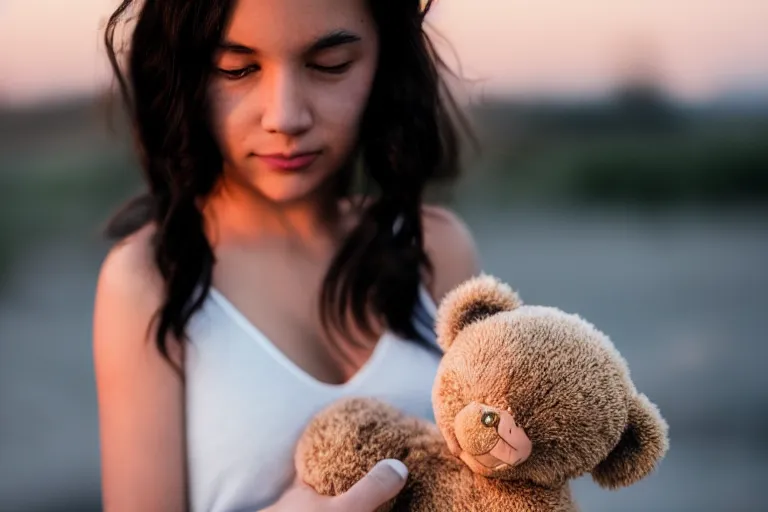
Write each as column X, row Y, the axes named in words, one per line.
column 331, row 40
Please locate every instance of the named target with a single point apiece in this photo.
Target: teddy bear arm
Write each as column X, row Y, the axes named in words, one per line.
column 438, row 481
column 343, row 442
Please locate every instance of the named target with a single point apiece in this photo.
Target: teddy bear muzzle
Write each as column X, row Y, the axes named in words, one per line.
column 490, row 439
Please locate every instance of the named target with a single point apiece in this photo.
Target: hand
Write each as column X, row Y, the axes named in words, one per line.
column 381, row 484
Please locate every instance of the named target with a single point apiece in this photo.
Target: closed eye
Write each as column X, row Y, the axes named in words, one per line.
column 334, row 70
column 236, row 74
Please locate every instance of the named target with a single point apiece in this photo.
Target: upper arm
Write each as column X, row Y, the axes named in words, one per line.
column 451, row 249
column 140, row 395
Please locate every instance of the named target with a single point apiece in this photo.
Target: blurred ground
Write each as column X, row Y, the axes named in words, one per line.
column 676, row 276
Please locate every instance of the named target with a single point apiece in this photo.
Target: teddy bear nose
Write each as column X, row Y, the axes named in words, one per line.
column 475, row 427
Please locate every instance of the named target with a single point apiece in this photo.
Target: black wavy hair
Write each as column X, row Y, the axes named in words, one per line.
column 408, row 139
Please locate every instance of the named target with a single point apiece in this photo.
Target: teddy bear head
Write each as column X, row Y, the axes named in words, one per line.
column 533, row 393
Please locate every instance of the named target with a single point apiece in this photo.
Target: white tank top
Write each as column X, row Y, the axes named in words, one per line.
column 247, row 403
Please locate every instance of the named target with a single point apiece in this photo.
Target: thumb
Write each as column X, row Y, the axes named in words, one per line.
column 382, row 483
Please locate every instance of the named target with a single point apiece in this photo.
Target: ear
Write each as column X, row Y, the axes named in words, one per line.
column 472, row 301
column 641, row 447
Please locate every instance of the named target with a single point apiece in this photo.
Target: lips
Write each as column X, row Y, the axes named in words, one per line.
column 290, row 162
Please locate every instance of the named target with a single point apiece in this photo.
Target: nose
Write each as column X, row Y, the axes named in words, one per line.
column 286, row 108
column 475, row 427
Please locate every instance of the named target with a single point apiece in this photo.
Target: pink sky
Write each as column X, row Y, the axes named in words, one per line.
column 553, row 47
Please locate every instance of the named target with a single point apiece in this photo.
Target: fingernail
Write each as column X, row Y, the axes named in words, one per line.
column 398, row 467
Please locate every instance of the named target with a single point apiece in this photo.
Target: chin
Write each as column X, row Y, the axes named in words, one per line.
column 284, row 198
column 286, row 193
column 283, row 187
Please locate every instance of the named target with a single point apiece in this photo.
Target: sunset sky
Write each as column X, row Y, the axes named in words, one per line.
column 700, row 49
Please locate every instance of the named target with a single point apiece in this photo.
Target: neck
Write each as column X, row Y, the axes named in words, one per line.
column 240, row 216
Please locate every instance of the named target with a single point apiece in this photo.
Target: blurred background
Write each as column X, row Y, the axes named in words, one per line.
column 623, row 176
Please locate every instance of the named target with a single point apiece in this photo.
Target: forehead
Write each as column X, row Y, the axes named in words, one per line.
column 284, row 26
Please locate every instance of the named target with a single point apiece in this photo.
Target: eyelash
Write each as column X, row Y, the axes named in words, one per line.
column 237, row 74
column 334, row 70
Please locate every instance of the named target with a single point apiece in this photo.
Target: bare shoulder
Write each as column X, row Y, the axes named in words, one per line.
column 140, row 395
column 129, row 291
column 128, row 268
column 128, row 294
column 451, row 248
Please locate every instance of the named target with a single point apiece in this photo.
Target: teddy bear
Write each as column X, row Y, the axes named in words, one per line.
column 526, row 399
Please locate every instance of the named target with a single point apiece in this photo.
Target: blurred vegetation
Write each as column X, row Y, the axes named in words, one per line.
column 635, row 150
column 61, row 166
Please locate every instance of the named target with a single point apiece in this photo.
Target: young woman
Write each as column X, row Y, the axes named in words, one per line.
column 254, row 284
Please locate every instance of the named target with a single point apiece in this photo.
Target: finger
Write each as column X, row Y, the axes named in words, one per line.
column 381, row 484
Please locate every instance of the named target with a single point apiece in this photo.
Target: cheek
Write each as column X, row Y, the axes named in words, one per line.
column 228, row 117
column 340, row 107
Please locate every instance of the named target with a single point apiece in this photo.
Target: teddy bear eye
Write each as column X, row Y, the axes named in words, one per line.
column 490, row 419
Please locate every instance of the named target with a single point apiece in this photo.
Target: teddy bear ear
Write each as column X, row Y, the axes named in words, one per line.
column 641, row 447
column 472, row 301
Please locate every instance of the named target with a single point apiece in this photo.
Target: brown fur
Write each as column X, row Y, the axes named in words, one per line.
column 561, row 379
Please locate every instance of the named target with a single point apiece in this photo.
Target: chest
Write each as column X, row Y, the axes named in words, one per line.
column 247, row 406
column 280, row 298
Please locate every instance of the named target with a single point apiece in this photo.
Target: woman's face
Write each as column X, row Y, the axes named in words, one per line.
column 290, row 85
